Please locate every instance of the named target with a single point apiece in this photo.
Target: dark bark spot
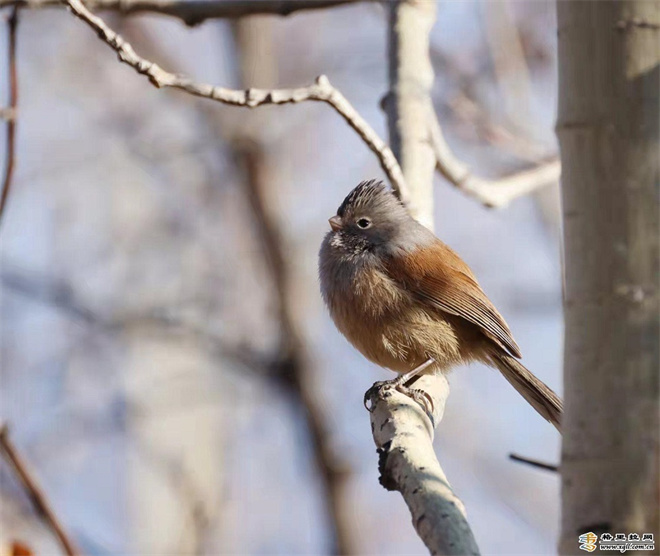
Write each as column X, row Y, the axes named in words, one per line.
column 385, row 479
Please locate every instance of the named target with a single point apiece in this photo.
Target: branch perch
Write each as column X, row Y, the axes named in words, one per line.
column 403, row 434
column 192, row 12
column 320, row 91
column 492, row 193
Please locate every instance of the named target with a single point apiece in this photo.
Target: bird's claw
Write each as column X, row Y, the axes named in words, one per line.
column 376, row 389
column 422, row 397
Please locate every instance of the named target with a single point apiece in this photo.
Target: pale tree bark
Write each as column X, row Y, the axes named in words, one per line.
column 609, row 59
column 409, row 99
column 403, row 433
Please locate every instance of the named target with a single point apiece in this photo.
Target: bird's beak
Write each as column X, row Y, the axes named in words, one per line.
column 335, row 223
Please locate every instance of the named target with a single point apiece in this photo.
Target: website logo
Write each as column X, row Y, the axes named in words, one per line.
column 588, row 541
column 619, row 542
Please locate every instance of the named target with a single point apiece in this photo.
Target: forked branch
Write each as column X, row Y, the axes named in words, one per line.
column 320, row 91
column 492, row 193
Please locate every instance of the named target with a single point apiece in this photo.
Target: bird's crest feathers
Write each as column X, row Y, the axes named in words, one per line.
column 365, row 194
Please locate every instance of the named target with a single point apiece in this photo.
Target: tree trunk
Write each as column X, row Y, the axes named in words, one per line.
column 609, row 55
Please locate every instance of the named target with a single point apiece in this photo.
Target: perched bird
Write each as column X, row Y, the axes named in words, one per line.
column 409, row 303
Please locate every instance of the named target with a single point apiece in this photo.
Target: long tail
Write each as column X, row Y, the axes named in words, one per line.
column 537, row 394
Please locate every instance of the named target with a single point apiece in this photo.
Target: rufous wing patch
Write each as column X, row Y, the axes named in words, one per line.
column 437, row 275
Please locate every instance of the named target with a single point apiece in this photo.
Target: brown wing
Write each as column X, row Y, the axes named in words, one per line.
column 444, row 280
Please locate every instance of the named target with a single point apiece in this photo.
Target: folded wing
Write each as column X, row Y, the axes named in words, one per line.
column 450, row 286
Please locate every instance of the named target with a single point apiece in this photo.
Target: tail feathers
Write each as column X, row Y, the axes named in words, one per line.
column 537, row 394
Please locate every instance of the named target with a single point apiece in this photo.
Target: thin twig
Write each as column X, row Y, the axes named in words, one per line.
column 320, row 91
column 193, row 12
column 35, row 494
column 534, row 463
column 10, row 157
column 492, row 193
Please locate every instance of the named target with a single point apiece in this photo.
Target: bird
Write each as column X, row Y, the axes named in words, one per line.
column 409, row 303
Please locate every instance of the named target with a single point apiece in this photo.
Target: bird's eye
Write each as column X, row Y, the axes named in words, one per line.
column 364, row 223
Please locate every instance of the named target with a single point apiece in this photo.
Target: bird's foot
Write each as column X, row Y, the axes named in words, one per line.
column 380, row 388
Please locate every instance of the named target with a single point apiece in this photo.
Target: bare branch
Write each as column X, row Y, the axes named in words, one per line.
column 534, row 462
column 10, row 158
column 492, row 193
column 403, row 434
column 33, row 491
column 193, row 12
column 320, row 91
column 410, row 82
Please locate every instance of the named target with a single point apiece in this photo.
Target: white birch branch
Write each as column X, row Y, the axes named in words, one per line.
column 411, row 81
column 403, row 434
column 191, row 12
column 320, row 91
column 492, row 193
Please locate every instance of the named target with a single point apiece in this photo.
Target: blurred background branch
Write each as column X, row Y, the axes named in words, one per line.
column 34, row 492
column 193, row 12
column 258, row 67
column 11, row 112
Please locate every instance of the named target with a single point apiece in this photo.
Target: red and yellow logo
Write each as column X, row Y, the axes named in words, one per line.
column 588, row 541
